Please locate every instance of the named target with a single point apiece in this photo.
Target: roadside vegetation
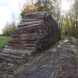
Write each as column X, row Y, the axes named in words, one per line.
column 3, row 41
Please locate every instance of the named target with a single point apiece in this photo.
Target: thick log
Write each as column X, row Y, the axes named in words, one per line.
column 17, row 52
column 29, row 23
column 25, row 35
column 37, row 15
column 24, row 45
column 11, row 56
column 28, row 20
column 28, row 26
column 22, row 41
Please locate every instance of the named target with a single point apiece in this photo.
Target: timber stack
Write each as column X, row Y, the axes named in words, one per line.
column 36, row 31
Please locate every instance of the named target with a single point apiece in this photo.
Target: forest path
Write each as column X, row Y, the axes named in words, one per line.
column 60, row 62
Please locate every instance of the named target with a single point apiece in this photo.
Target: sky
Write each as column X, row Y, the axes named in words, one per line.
column 9, row 8
column 65, row 6
column 13, row 7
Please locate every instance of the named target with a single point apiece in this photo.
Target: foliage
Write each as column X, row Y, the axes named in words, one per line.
column 52, row 7
column 70, row 20
column 29, row 8
column 8, row 30
column 3, row 41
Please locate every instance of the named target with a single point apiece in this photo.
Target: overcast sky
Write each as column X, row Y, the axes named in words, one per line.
column 9, row 8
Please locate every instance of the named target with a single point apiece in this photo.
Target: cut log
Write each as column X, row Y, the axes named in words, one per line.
column 28, row 26
column 37, row 15
column 29, row 23
column 11, row 56
column 17, row 52
column 28, row 20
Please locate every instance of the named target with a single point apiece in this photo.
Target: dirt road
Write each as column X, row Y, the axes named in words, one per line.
column 60, row 62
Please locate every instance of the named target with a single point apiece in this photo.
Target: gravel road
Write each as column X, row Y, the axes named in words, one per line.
column 60, row 62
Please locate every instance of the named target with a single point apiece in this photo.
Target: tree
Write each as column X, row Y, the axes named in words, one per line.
column 29, row 8
column 8, row 29
column 13, row 22
column 52, row 7
column 76, row 10
column 68, row 22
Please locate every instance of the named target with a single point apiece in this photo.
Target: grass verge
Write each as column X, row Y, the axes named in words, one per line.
column 3, row 41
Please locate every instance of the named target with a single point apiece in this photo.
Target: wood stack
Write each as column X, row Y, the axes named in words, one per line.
column 35, row 31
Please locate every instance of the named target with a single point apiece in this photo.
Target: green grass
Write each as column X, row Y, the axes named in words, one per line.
column 3, row 41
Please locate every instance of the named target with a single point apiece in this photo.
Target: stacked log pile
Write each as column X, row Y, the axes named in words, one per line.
column 35, row 31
